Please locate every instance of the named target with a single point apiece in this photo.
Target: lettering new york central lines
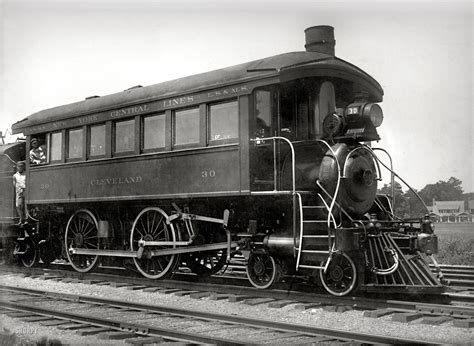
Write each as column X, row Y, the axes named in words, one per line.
column 196, row 98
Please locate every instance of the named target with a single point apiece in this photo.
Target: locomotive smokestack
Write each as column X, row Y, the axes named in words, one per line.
column 320, row 39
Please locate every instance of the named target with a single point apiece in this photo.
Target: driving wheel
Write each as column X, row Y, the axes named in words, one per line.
column 151, row 225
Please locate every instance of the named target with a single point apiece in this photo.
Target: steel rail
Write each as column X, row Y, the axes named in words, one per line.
column 239, row 286
column 132, row 328
column 278, row 326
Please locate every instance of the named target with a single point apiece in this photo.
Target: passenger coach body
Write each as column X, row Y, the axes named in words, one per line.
column 265, row 159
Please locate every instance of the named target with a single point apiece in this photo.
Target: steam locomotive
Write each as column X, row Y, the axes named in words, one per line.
column 271, row 159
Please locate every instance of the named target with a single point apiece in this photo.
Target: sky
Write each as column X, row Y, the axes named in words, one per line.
column 58, row 52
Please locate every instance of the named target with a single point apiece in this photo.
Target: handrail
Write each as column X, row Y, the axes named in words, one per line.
column 300, row 245
column 293, row 179
column 392, row 176
column 336, row 191
column 372, row 154
column 401, row 179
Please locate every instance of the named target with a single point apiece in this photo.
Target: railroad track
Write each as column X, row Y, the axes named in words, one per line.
column 141, row 324
column 458, row 275
column 451, row 304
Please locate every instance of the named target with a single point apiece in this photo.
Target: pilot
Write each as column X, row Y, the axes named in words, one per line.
column 37, row 152
column 19, row 181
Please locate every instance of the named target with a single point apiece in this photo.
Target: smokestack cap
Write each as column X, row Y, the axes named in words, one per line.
column 320, row 39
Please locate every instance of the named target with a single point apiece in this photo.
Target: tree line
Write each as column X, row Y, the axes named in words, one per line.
column 408, row 205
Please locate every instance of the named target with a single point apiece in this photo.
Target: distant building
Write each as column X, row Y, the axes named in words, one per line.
column 452, row 211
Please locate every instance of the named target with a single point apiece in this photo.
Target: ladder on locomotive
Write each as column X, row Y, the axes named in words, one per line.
column 312, row 222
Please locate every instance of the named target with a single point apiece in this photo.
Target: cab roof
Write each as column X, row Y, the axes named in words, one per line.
column 283, row 67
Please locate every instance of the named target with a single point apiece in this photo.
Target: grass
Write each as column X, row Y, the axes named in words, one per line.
column 456, row 243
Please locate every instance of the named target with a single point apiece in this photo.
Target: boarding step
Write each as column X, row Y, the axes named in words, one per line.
column 315, row 242
column 314, row 258
column 319, row 226
column 314, row 212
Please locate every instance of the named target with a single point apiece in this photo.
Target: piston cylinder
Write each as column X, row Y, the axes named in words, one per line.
column 280, row 244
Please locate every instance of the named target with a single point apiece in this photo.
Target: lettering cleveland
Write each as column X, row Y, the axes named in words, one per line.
column 117, row 181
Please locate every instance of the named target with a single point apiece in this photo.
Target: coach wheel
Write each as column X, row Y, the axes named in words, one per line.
column 150, row 225
column 341, row 275
column 82, row 233
column 30, row 257
column 262, row 270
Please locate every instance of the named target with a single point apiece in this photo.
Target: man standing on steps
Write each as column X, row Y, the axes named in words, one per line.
column 19, row 181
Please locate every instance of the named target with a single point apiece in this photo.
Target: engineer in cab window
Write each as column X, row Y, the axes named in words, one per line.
column 37, row 152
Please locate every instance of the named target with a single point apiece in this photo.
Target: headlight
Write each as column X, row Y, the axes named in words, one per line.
column 374, row 111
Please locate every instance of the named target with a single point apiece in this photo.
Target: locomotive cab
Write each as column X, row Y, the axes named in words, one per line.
column 323, row 118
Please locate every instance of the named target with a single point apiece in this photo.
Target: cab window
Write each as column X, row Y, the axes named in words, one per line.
column 303, row 106
column 325, row 104
column 223, row 122
column 38, row 152
column 263, row 113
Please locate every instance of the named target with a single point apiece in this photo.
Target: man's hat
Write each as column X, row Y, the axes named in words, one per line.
column 21, row 163
column 34, row 140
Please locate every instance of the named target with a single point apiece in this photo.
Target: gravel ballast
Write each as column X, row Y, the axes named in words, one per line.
column 351, row 320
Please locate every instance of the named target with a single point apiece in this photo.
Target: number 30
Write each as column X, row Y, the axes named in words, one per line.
column 208, row 174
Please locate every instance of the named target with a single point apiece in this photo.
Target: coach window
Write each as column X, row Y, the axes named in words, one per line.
column 125, row 136
column 223, row 122
column 97, row 140
column 154, row 132
column 55, row 143
column 74, row 144
column 186, row 127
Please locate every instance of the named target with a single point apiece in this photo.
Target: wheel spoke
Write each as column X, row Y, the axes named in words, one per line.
column 149, row 226
column 89, row 227
column 158, row 235
column 143, row 227
column 153, row 222
column 90, row 244
column 82, row 229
